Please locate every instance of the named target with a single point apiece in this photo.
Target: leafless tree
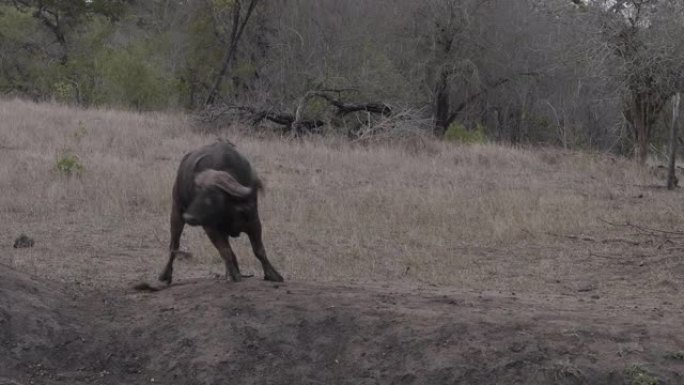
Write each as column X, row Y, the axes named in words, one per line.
column 647, row 38
column 239, row 21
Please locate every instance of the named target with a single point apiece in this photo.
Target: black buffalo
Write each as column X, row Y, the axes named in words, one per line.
column 216, row 188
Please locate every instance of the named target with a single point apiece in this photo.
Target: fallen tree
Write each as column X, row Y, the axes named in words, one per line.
column 295, row 123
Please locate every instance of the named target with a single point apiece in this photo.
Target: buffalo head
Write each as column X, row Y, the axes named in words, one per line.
column 218, row 198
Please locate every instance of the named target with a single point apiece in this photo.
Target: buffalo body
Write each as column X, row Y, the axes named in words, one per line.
column 217, row 188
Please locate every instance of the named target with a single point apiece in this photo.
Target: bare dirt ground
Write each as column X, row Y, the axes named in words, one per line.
column 476, row 264
column 212, row 332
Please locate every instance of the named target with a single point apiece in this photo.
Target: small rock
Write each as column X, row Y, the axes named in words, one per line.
column 23, row 241
column 517, row 347
column 586, row 288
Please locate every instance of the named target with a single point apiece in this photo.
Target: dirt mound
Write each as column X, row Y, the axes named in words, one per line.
column 35, row 318
column 213, row 332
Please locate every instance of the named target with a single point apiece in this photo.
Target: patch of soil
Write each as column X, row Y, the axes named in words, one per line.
column 255, row 332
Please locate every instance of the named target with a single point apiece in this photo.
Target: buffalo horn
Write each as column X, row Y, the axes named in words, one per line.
column 222, row 180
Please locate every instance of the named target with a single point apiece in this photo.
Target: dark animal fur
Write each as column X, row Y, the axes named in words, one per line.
column 219, row 212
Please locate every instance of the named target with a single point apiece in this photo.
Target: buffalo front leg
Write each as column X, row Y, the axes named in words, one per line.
column 177, row 224
column 254, row 234
column 220, row 241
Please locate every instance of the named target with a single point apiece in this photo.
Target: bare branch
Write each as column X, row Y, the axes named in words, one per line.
column 236, row 33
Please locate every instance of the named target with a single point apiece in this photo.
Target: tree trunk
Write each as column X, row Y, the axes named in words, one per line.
column 671, row 177
column 53, row 24
column 236, row 33
column 442, row 104
column 642, row 112
column 641, row 136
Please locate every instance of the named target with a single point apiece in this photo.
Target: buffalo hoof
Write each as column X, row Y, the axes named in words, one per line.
column 233, row 275
column 232, row 278
column 166, row 277
column 273, row 276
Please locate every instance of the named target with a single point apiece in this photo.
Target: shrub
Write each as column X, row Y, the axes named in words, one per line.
column 69, row 164
column 639, row 376
column 63, row 91
column 129, row 78
column 458, row 133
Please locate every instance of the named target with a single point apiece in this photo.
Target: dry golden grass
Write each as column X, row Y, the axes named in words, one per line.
column 480, row 217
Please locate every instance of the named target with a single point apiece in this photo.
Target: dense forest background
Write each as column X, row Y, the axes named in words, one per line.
column 579, row 74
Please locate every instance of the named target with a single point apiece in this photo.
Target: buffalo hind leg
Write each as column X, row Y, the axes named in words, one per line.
column 177, row 224
column 220, row 241
column 254, row 234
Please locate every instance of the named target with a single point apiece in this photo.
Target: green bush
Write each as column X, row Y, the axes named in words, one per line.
column 30, row 71
column 458, row 133
column 63, row 91
column 128, row 78
column 69, row 164
column 639, row 376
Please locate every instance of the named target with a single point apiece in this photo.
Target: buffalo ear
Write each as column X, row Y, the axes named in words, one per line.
column 224, row 181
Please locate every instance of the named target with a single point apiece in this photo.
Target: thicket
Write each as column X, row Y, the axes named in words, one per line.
column 579, row 74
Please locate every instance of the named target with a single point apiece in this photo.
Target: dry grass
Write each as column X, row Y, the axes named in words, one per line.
column 477, row 216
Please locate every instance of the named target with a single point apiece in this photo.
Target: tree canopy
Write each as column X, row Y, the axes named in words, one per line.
column 594, row 74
